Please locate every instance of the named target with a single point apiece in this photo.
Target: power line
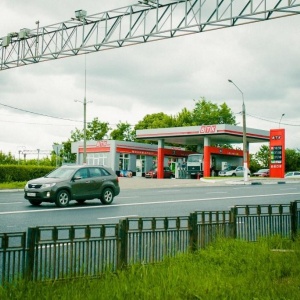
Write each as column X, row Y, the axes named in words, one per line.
column 40, row 114
column 271, row 121
column 34, row 123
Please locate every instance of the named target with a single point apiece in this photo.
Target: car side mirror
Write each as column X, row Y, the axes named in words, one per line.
column 76, row 178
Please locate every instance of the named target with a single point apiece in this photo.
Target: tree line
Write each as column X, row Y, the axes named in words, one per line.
column 204, row 113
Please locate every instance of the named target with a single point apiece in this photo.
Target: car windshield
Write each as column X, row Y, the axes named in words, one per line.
column 262, row 171
column 229, row 168
column 195, row 158
column 60, row 173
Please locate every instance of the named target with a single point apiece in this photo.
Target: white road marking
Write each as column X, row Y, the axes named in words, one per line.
column 217, row 193
column 141, row 203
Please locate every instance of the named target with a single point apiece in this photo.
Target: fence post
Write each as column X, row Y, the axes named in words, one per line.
column 122, row 244
column 233, row 225
column 31, row 239
column 193, row 230
column 294, row 219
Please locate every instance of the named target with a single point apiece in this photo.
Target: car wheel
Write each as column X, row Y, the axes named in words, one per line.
column 81, row 201
column 62, row 198
column 233, row 174
column 35, row 202
column 107, row 196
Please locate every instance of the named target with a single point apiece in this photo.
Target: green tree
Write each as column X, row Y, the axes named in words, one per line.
column 183, row 118
column 95, row 130
column 66, row 154
column 123, row 132
column 158, row 120
column 7, row 159
column 292, row 160
column 208, row 113
column 263, row 156
column 254, row 164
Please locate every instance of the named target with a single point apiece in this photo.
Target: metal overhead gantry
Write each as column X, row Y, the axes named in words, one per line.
column 146, row 21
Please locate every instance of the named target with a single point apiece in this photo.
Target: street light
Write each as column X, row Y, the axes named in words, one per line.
column 84, row 114
column 244, row 133
column 281, row 119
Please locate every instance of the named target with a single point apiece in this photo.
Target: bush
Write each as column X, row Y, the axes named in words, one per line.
column 11, row 173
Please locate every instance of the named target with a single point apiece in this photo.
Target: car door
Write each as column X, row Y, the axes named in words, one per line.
column 239, row 171
column 97, row 178
column 82, row 183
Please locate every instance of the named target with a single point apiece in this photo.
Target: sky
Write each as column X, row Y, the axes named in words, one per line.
column 126, row 84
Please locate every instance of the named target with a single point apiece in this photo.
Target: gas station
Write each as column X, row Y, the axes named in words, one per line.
column 208, row 137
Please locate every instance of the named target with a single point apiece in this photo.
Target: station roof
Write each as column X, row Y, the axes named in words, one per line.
column 194, row 135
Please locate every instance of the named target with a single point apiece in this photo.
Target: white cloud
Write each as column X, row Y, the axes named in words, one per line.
column 128, row 83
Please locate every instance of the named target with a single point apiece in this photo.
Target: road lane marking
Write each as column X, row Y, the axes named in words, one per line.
column 217, row 193
column 167, row 191
column 143, row 203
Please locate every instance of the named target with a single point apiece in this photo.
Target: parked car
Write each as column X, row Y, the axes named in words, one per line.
column 234, row 171
column 168, row 173
column 262, row 173
column 78, row 183
column 292, row 174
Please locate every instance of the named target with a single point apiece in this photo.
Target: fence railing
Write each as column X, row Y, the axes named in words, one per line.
column 59, row 252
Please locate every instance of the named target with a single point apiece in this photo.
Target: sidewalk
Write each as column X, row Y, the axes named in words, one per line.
column 142, row 183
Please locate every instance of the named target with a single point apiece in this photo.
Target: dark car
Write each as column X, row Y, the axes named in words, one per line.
column 168, row 173
column 262, row 173
column 78, row 183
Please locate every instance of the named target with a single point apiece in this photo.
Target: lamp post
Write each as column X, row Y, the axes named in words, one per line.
column 84, row 114
column 281, row 119
column 244, row 133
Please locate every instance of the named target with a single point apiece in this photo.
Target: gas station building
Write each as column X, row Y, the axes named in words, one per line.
column 139, row 157
column 208, row 135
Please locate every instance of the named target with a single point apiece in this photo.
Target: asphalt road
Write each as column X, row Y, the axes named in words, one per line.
column 142, row 197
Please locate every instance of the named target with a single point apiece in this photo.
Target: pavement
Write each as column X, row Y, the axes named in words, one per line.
column 145, row 183
column 141, row 182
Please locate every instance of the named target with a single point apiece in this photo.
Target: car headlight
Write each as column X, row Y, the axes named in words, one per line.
column 48, row 185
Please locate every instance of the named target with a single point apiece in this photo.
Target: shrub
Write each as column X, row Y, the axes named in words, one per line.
column 10, row 173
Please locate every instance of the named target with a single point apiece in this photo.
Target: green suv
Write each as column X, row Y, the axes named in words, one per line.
column 75, row 182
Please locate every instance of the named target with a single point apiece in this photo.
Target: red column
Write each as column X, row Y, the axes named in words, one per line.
column 206, row 161
column 160, row 162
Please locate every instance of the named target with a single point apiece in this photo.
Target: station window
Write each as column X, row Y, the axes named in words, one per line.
column 96, row 159
column 140, row 163
column 124, row 162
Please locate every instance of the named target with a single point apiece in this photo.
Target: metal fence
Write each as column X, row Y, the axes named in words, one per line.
column 60, row 252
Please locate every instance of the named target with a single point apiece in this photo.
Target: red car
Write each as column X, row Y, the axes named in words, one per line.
column 262, row 173
column 153, row 173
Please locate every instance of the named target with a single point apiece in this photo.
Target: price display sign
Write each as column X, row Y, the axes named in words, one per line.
column 277, row 153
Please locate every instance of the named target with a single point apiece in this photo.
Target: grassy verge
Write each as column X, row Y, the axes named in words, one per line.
column 12, row 185
column 228, row 269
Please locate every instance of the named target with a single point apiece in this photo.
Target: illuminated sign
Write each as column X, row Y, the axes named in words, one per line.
column 276, row 154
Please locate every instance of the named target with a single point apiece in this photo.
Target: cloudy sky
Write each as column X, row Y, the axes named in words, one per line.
column 166, row 76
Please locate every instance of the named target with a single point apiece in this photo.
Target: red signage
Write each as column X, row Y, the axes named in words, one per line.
column 208, row 129
column 277, row 153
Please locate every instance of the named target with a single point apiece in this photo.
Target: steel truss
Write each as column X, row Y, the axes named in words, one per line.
column 147, row 21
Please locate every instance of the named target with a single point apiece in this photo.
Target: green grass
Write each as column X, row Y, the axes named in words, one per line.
column 12, row 185
column 227, row 269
